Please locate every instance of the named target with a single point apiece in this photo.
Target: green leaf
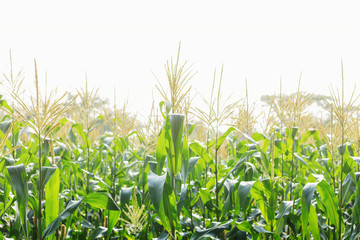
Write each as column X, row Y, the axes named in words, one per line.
column 204, row 195
column 80, row 131
column 194, row 200
column 307, row 196
column 200, row 150
column 4, row 104
column 167, row 108
column 113, row 217
column 228, row 197
column 221, row 139
column 101, row 200
column 258, row 193
column 185, row 159
column 160, row 152
column 52, row 189
column 156, row 188
column 7, row 206
column 54, row 225
column 19, row 183
column 170, row 206
column 7, row 189
column 181, row 201
column 348, row 189
column 47, row 172
column 243, row 192
column 356, row 159
column 356, row 208
column 125, row 195
column 163, row 236
column 294, row 131
column 99, row 232
column 34, row 204
column 342, row 149
column 300, row 159
column 176, row 125
column 192, row 163
column 249, row 138
column 312, row 132
column 245, row 157
column 188, row 167
column 97, row 178
column 215, row 230
column 280, row 145
column 314, row 226
column 245, row 226
column 259, row 136
column 260, row 229
column 330, row 201
column 281, row 217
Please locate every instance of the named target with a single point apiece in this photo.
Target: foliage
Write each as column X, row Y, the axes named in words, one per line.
column 169, row 179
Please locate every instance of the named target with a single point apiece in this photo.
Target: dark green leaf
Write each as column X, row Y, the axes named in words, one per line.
column 163, row 236
column 125, row 195
column 54, row 225
column 98, row 233
column 101, row 200
column 281, row 217
column 243, row 192
column 156, row 188
column 47, row 172
column 260, row 229
column 176, row 124
column 210, row 232
column 19, row 183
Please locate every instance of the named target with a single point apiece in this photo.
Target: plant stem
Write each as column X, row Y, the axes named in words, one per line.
column 342, row 145
column 40, row 190
column 331, row 146
column 114, row 173
column 115, row 150
column 216, row 177
column 88, row 169
column 341, row 181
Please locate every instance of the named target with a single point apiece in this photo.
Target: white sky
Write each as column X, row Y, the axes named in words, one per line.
column 120, row 43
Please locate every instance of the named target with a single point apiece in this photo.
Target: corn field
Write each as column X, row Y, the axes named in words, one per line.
column 72, row 168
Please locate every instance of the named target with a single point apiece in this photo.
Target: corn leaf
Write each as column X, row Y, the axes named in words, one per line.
column 113, row 219
column 19, row 184
column 52, row 189
column 54, row 225
column 101, row 200
column 330, row 202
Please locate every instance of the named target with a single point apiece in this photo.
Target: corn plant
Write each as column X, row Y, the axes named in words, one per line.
column 171, row 178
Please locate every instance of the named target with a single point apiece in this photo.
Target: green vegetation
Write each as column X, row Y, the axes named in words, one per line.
column 77, row 169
